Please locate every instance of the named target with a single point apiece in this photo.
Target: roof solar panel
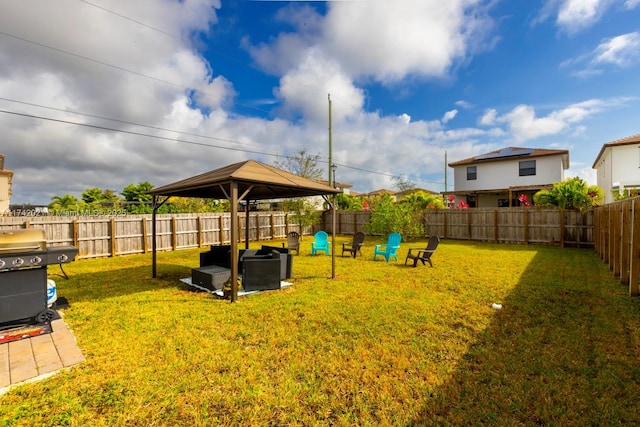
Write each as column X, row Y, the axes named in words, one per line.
column 506, row 152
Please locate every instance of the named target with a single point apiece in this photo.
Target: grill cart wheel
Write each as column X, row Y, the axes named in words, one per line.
column 46, row 315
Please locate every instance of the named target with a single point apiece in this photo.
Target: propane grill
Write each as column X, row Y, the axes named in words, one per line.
column 24, row 258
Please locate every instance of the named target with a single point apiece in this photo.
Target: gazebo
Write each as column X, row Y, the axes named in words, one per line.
column 249, row 180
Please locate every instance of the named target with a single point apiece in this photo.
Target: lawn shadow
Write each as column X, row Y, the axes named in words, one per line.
column 108, row 284
column 561, row 351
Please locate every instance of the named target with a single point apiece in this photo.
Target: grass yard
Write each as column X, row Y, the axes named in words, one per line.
column 382, row 344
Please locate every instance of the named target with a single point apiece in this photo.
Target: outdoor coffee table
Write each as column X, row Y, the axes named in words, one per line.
column 211, row 277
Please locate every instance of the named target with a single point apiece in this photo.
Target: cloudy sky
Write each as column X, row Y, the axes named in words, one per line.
column 104, row 93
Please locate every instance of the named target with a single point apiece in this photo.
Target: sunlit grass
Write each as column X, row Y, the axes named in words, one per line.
column 382, row 344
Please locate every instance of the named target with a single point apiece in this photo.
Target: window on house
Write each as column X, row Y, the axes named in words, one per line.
column 472, row 173
column 527, row 168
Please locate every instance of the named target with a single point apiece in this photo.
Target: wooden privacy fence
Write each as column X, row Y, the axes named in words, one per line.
column 503, row 225
column 107, row 236
column 617, row 240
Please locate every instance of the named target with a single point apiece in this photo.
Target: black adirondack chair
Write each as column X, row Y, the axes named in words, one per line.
column 423, row 254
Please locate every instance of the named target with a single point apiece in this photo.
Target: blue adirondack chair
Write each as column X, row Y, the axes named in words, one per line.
column 389, row 249
column 321, row 243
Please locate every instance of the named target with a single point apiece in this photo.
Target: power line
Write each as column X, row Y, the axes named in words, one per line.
column 121, row 121
column 201, row 144
column 129, row 132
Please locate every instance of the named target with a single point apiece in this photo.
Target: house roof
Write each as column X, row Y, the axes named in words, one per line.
column 258, row 180
column 511, row 153
column 629, row 140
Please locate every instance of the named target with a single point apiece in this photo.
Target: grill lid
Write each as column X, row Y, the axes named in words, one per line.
column 22, row 240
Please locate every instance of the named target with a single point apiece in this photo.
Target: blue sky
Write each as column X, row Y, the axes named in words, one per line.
column 104, row 93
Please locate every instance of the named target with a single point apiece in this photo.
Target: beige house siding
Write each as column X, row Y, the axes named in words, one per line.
column 6, row 177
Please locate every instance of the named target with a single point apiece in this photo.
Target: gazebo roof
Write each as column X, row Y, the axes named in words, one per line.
column 262, row 181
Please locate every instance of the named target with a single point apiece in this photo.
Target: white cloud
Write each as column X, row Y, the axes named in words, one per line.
column 489, row 117
column 524, row 125
column 618, row 52
column 464, row 104
column 422, row 37
column 631, row 4
column 573, row 16
column 306, row 87
column 622, row 50
column 449, row 115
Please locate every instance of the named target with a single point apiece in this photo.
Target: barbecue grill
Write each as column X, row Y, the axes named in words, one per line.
column 24, row 258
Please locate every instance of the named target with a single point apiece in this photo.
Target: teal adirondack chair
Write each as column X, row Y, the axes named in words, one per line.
column 321, row 243
column 388, row 250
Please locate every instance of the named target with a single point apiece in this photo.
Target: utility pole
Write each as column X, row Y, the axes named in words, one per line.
column 445, row 171
column 332, row 173
column 330, row 146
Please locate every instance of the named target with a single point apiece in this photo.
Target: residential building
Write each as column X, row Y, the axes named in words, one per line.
column 501, row 178
column 6, row 177
column 618, row 166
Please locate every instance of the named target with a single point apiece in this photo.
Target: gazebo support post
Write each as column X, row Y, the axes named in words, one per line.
column 234, row 242
column 333, row 237
column 246, row 222
column 154, row 245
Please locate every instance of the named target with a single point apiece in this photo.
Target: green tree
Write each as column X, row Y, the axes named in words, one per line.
column 388, row 216
column 347, row 202
column 66, row 202
column 573, row 193
column 423, row 200
column 97, row 195
column 139, row 201
column 196, row 205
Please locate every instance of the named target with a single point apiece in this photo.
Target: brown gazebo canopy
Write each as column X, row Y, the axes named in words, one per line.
column 248, row 180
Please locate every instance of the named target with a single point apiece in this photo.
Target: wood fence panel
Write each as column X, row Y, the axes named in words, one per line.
column 481, row 224
column 510, row 225
column 634, row 264
column 120, row 235
column 625, row 240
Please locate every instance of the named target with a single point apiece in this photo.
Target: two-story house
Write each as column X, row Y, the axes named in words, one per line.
column 618, row 166
column 5, row 186
column 501, row 177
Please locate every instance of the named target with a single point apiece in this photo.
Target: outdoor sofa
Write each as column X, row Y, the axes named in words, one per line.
column 260, row 269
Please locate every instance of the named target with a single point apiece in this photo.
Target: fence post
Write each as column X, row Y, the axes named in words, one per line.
column 495, row 226
column 112, row 233
column 145, row 247
column 468, row 224
column 561, row 213
column 76, row 232
column 221, row 228
column 257, row 217
column 625, row 242
column 174, row 233
column 634, row 267
column 199, row 230
column 617, row 236
column 445, row 224
column 526, row 226
column 272, row 224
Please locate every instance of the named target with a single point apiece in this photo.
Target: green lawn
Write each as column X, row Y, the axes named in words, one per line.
column 382, row 344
